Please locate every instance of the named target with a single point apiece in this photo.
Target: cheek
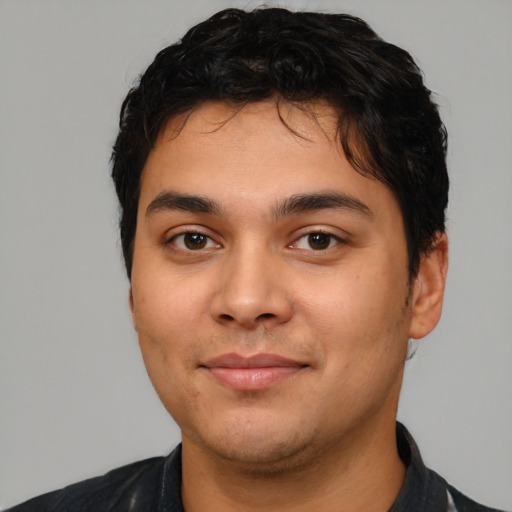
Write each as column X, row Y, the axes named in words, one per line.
column 168, row 346
column 170, row 311
column 165, row 304
column 358, row 312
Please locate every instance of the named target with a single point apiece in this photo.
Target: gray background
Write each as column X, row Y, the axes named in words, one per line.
column 74, row 397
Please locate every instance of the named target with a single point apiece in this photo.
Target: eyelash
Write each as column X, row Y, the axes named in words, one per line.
column 208, row 240
column 331, row 241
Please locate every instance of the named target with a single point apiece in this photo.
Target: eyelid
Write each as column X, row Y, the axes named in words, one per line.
column 182, row 246
column 174, row 233
column 333, row 242
column 334, row 234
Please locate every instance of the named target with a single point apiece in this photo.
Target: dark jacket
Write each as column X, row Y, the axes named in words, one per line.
column 154, row 485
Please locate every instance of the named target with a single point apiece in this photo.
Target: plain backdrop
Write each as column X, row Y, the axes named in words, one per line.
column 75, row 400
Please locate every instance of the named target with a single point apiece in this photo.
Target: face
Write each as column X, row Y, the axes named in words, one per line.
column 270, row 284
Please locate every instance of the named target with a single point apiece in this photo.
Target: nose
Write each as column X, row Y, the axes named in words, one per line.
column 251, row 292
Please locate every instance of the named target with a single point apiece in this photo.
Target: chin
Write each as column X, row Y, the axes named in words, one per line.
column 259, row 447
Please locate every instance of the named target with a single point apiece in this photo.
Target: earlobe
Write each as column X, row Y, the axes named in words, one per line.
column 428, row 291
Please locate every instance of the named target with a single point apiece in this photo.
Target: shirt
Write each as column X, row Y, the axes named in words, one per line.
column 154, row 485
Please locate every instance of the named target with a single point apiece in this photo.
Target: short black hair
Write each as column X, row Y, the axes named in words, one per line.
column 388, row 125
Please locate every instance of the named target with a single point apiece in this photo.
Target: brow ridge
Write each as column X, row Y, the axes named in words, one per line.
column 304, row 203
column 171, row 200
column 293, row 205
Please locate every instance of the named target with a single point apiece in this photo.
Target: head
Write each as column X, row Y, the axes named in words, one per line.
column 387, row 124
column 282, row 184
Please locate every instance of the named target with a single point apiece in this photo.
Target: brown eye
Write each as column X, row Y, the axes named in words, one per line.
column 195, row 241
column 316, row 241
column 319, row 241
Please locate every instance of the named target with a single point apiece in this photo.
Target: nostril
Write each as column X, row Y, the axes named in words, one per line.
column 266, row 315
column 226, row 317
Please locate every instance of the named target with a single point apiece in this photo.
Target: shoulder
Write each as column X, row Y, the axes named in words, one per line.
column 423, row 488
column 461, row 503
column 104, row 493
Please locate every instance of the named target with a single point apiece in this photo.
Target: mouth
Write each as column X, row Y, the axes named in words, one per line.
column 251, row 373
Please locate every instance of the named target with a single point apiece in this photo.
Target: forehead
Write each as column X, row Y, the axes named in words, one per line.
column 217, row 120
column 265, row 147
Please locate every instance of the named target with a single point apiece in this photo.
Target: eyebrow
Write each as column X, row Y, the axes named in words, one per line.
column 294, row 205
column 304, row 203
column 170, row 200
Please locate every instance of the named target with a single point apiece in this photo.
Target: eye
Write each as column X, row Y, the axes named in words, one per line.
column 193, row 241
column 316, row 241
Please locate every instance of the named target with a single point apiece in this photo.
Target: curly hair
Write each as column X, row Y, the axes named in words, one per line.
column 388, row 125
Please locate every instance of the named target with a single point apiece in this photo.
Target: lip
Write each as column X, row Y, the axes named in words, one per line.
column 252, row 373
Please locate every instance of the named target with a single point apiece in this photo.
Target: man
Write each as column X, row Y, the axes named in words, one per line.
column 283, row 184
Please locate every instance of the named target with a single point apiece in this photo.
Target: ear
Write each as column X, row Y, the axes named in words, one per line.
column 132, row 309
column 428, row 290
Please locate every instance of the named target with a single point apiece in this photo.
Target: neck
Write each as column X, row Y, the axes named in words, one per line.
column 363, row 472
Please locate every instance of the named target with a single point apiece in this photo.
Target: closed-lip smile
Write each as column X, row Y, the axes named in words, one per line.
column 252, row 373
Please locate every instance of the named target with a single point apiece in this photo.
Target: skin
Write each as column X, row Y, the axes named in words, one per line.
column 253, row 279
